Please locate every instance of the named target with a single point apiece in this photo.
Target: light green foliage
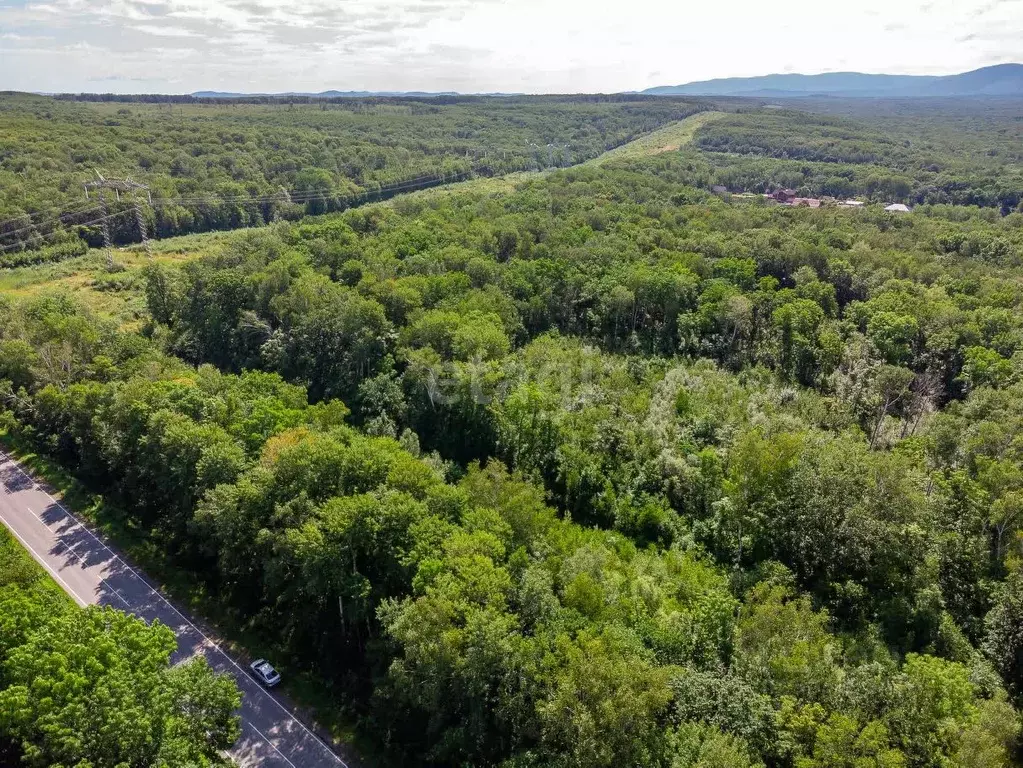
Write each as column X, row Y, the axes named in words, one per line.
column 473, row 335
column 603, row 703
column 729, row 703
column 933, row 700
column 841, row 743
column 893, row 335
column 992, row 737
column 93, row 687
column 783, row 647
column 694, row 746
column 592, row 698
column 985, row 366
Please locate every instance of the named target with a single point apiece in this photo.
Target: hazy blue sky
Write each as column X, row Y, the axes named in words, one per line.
column 484, row 45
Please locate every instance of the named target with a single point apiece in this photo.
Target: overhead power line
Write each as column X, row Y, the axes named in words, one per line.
column 48, row 219
column 119, row 186
column 84, row 212
column 101, row 220
column 49, row 211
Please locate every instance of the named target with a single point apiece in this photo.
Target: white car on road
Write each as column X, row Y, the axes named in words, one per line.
column 265, row 673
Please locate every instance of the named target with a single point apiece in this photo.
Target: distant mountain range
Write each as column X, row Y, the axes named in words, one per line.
column 321, row 95
column 999, row 80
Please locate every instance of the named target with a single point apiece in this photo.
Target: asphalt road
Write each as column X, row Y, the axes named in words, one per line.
column 94, row 574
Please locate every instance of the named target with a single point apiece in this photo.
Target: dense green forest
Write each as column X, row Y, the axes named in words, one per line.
column 227, row 165
column 93, row 687
column 600, row 471
column 916, row 152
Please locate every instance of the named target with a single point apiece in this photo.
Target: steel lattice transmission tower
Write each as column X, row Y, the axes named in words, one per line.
column 129, row 187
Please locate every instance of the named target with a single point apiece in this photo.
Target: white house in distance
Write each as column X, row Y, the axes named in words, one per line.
column 897, row 208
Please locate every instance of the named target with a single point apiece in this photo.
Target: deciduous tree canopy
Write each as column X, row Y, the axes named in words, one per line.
column 599, row 471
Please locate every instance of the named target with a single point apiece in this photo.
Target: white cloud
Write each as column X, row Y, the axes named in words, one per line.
column 162, row 30
column 485, row 45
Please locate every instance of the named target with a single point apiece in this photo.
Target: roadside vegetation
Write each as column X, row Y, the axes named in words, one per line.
column 93, row 686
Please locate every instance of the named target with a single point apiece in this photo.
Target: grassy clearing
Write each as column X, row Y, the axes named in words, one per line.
column 118, row 294
column 666, row 139
column 494, row 185
column 113, row 293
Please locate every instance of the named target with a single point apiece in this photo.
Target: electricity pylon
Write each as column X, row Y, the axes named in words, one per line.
column 99, row 186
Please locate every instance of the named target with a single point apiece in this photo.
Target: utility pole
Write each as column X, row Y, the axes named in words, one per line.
column 100, row 186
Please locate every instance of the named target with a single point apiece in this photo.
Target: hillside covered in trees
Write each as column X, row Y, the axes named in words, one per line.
column 230, row 164
column 93, row 687
column 599, row 471
column 957, row 152
column 214, row 166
